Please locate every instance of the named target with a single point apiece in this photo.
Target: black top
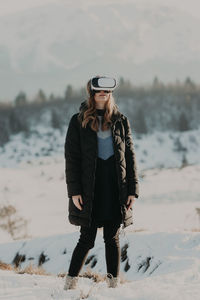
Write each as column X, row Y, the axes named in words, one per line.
column 106, row 205
column 100, row 111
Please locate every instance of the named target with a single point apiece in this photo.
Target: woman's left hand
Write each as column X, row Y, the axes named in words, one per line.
column 130, row 201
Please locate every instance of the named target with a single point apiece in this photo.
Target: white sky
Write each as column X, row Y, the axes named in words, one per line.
column 11, row 6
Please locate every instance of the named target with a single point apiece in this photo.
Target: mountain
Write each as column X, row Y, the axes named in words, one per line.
column 52, row 45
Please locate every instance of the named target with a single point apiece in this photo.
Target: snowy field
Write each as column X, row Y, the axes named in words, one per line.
column 159, row 149
column 161, row 266
column 161, row 250
column 168, row 198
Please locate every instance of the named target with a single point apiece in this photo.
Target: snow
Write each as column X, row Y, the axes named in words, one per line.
column 173, row 271
column 45, row 144
column 39, row 193
column 163, row 244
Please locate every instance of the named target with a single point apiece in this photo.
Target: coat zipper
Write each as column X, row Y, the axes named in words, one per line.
column 93, row 180
column 117, row 177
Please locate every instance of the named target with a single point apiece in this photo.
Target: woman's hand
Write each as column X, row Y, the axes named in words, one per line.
column 77, row 200
column 130, row 201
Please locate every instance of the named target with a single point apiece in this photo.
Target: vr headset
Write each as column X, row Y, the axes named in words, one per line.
column 103, row 83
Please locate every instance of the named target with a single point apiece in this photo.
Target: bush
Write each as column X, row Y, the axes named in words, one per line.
column 15, row 225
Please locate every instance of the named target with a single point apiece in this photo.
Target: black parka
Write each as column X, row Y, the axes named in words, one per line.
column 80, row 165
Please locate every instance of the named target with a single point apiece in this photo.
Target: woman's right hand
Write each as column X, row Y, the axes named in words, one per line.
column 77, row 200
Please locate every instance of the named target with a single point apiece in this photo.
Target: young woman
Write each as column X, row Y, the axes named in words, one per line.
column 101, row 176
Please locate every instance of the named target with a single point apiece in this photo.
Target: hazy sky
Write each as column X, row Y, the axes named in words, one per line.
column 10, row 6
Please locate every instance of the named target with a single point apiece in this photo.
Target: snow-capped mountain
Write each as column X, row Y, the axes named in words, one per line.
column 54, row 44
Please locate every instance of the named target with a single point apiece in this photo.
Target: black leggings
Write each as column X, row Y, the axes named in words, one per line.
column 87, row 241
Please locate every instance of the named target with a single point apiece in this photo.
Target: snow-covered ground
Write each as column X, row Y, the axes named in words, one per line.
column 161, row 266
column 156, row 150
column 168, row 198
column 163, row 244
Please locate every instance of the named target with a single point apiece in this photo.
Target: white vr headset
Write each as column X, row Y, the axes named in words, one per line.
column 103, row 83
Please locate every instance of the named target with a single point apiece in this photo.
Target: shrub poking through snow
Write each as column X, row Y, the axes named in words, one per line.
column 11, row 222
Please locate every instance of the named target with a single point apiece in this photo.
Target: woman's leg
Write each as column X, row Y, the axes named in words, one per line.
column 85, row 243
column 112, row 247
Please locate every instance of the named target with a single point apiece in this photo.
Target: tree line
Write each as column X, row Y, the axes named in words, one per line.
column 156, row 106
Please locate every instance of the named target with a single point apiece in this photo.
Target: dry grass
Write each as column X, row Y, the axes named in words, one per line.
column 61, row 274
column 136, row 230
column 193, row 229
column 30, row 269
column 139, row 230
column 97, row 277
column 4, row 266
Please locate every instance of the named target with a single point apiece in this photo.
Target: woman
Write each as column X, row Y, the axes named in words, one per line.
column 101, row 176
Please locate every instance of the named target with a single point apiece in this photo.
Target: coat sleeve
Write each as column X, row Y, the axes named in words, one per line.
column 73, row 158
column 131, row 165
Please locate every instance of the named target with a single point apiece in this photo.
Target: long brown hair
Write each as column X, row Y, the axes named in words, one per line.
column 90, row 114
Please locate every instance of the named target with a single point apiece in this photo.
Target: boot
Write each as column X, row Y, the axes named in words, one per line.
column 112, row 282
column 70, row 282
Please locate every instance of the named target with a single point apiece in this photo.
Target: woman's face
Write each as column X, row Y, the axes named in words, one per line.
column 101, row 97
